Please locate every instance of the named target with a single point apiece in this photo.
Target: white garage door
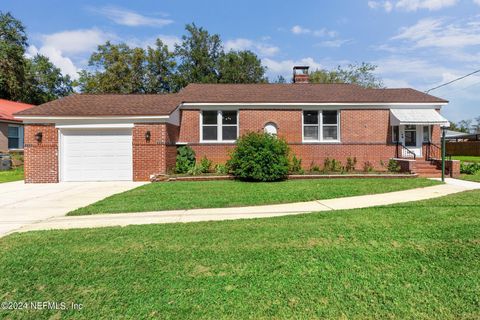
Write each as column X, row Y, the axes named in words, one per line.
column 96, row 154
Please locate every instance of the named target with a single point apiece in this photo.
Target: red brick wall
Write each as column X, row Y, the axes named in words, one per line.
column 41, row 158
column 364, row 135
column 287, row 122
column 154, row 156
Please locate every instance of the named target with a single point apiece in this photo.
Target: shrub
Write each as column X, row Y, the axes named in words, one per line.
column 469, row 168
column 336, row 165
column 296, row 165
column 367, row 166
column 332, row 165
column 206, row 165
column 259, row 157
column 196, row 170
column 221, row 169
column 326, row 164
column 185, row 159
column 393, row 166
column 351, row 163
column 314, row 167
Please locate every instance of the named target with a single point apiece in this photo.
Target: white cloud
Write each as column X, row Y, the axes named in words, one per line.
column 76, row 41
column 297, row 30
column 432, row 32
column 57, row 58
column 477, row 2
column 412, row 5
column 386, row 5
column 285, row 67
column 247, row 44
column 337, row 43
column 131, row 18
column 300, row 30
column 168, row 40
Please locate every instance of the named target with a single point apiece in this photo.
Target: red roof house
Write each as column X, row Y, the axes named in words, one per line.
column 11, row 129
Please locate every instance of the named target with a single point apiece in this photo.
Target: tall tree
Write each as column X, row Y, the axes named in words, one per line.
column 13, row 41
column 44, row 82
column 240, row 67
column 112, row 71
column 117, row 68
column 160, row 70
column 198, row 54
column 361, row 74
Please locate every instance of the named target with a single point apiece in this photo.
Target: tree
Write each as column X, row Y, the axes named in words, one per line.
column 112, row 70
column 160, row 70
column 240, row 67
column 476, row 127
column 13, row 41
column 198, row 54
column 280, row 79
column 44, row 82
column 117, row 68
column 361, row 74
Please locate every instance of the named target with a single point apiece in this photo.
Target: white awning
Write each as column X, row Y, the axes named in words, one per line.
column 417, row 117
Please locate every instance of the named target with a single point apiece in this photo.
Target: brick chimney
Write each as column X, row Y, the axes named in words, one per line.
column 300, row 74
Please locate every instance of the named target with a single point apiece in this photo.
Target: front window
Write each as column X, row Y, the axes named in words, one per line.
column 320, row 125
column 219, row 125
column 15, row 137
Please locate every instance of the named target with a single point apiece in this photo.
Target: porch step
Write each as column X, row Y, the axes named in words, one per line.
column 427, row 169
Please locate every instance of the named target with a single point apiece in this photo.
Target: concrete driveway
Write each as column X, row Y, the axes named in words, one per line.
column 22, row 204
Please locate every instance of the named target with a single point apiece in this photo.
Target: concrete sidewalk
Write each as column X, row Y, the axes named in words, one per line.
column 195, row 215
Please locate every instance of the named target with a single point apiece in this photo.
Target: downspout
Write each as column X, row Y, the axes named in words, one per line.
column 443, row 153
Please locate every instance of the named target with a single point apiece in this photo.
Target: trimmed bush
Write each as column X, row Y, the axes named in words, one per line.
column 185, row 159
column 296, row 165
column 259, row 157
column 206, row 165
column 393, row 166
column 221, row 169
column 469, row 168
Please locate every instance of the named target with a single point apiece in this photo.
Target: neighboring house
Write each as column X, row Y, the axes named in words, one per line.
column 131, row 137
column 11, row 129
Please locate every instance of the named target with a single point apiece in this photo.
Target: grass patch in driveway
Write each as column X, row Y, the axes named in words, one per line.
column 221, row 194
column 11, row 175
column 415, row 260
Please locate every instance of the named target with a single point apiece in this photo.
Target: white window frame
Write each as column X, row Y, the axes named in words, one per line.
column 219, row 126
column 320, row 127
column 20, row 136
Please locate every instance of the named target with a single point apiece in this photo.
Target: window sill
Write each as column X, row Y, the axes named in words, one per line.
column 321, row 142
column 219, row 142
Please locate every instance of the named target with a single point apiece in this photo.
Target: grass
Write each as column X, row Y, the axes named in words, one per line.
column 467, row 158
column 407, row 261
column 471, row 177
column 217, row 194
column 11, row 175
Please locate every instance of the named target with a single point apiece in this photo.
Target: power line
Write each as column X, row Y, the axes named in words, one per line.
column 454, row 80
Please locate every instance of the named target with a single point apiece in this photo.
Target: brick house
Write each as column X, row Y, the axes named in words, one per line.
column 11, row 129
column 131, row 137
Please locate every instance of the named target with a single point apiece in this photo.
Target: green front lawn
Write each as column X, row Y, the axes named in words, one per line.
column 471, row 177
column 217, row 194
column 466, row 158
column 11, row 175
column 406, row 261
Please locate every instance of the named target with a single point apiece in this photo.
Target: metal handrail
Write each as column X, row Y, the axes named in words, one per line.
column 437, row 151
column 408, row 151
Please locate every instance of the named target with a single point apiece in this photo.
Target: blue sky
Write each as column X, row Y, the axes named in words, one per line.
column 415, row 43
